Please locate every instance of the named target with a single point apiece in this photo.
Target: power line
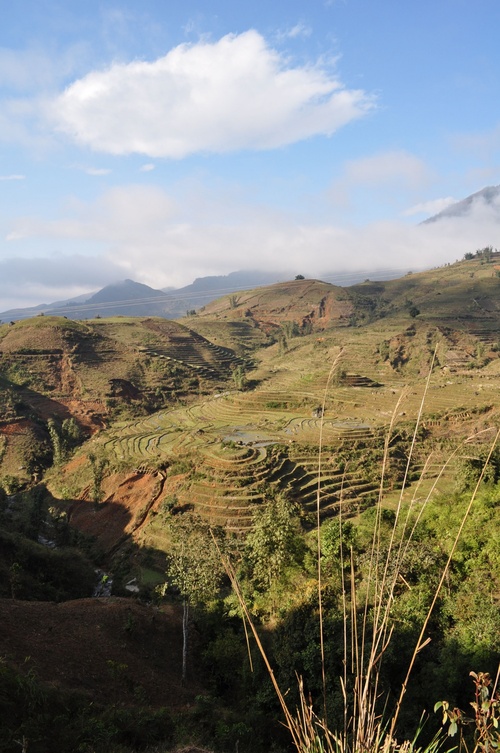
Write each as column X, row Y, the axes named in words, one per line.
column 210, row 295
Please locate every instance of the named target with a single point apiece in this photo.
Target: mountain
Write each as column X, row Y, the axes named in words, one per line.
column 129, row 298
column 489, row 196
column 222, row 284
column 123, row 292
column 125, row 298
column 129, row 448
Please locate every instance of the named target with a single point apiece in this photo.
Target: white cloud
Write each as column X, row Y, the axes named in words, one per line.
column 97, row 171
column 299, row 30
column 430, row 207
column 148, row 237
column 483, row 143
column 121, row 215
column 392, row 176
column 33, row 69
column 12, row 177
column 387, row 168
column 236, row 93
column 147, row 168
column 32, row 281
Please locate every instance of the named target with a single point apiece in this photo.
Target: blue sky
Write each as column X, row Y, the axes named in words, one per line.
column 163, row 141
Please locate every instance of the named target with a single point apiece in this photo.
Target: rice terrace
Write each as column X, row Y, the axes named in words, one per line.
column 265, row 423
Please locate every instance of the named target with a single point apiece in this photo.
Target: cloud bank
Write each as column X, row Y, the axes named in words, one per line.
column 33, row 281
column 236, row 93
column 148, row 237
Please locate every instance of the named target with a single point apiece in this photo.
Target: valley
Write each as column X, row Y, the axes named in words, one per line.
column 318, row 405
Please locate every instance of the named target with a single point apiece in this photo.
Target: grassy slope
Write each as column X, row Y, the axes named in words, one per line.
column 226, row 479
column 196, row 444
column 362, row 374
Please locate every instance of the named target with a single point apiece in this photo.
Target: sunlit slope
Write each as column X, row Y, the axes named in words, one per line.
column 328, row 373
column 309, row 303
column 68, row 358
column 465, row 294
column 56, row 368
column 343, row 390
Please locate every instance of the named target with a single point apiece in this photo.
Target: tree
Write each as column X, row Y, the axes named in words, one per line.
column 271, row 545
column 290, row 329
column 300, row 277
column 239, row 377
column 55, row 438
column 64, row 437
column 98, row 466
column 72, row 435
column 194, row 566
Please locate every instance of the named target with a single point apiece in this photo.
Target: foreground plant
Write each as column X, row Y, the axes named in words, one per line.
column 368, row 627
column 486, row 718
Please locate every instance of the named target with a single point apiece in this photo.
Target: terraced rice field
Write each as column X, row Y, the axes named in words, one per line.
column 242, row 445
column 242, row 449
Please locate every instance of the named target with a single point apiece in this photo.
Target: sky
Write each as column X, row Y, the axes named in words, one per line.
column 162, row 141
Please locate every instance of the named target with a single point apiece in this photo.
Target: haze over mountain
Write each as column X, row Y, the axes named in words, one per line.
column 129, row 298
column 488, row 197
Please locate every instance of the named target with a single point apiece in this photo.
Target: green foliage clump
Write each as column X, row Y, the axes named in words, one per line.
column 31, row 571
column 40, row 718
column 194, row 563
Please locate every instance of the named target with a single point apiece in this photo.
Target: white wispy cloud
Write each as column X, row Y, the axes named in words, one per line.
column 483, row 143
column 430, row 207
column 147, row 168
column 33, row 69
column 236, row 93
column 390, row 176
column 299, row 30
column 96, row 171
column 149, row 237
column 388, row 167
column 29, row 281
column 13, row 177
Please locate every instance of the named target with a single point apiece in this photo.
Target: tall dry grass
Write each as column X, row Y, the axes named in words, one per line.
column 367, row 620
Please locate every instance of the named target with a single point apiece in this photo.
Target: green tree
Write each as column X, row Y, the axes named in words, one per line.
column 194, row 566
column 64, row 437
column 273, row 542
column 56, row 440
column 290, row 329
column 239, row 377
column 71, row 433
column 98, row 465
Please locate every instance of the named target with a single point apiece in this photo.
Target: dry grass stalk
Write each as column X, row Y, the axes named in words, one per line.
column 364, row 730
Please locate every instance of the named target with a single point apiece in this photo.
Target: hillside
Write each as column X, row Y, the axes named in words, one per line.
column 236, row 444
column 53, row 367
column 486, row 197
column 466, row 291
column 129, row 445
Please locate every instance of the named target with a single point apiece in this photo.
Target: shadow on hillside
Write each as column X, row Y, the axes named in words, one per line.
column 441, row 670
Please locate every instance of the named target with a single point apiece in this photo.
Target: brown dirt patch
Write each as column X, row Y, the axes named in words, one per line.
column 129, row 498
column 15, row 427
column 114, row 649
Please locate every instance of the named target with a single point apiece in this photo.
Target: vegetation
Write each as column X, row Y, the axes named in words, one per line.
column 332, row 491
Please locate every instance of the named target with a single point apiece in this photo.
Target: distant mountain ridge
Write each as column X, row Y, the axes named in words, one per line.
column 130, row 298
column 489, row 196
column 127, row 290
